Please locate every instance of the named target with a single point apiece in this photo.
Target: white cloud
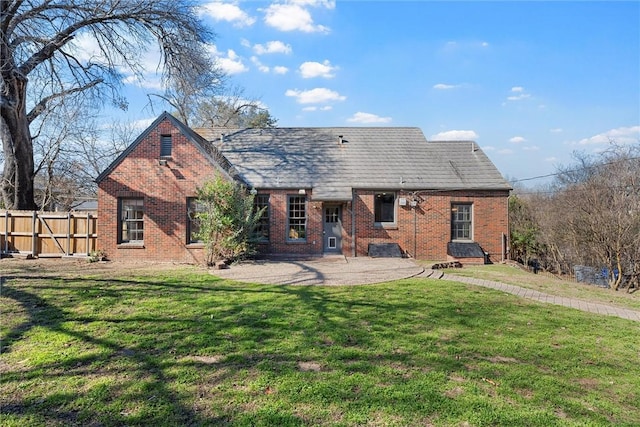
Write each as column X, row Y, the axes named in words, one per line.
column 505, row 151
column 143, row 123
column 455, row 135
column 318, row 95
column 489, row 148
column 263, row 68
column 329, row 4
column 444, row 86
column 517, row 94
column 517, row 140
column 518, row 97
column 87, row 50
column 279, row 69
column 229, row 12
column 551, row 159
column 266, row 69
column 621, row 135
column 368, row 118
column 555, row 130
column 230, row 63
column 314, row 108
column 274, row 46
column 293, row 17
column 310, row 70
column 153, row 82
column 531, row 148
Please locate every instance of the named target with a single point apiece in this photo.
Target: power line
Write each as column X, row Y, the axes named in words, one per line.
column 574, row 170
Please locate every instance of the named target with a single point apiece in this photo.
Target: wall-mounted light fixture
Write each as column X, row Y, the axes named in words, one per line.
column 162, row 162
column 302, row 191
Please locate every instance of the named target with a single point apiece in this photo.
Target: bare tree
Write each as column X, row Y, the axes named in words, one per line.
column 40, row 64
column 233, row 110
column 593, row 215
column 200, row 105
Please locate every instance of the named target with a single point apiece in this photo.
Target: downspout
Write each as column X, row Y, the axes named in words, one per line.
column 507, row 238
column 353, row 223
column 415, row 231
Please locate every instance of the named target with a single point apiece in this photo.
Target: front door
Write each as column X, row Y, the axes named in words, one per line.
column 332, row 231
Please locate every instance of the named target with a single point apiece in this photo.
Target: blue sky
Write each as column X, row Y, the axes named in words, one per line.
column 531, row 82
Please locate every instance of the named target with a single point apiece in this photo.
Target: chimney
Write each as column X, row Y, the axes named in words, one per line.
column 340, row 140
column 222, row 138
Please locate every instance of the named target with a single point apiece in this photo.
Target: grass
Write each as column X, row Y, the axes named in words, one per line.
column 550, row 284
column 182, row 347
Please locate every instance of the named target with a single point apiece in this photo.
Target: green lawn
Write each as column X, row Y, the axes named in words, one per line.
column 182, row 347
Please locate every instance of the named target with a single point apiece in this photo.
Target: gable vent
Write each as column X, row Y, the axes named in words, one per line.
column 165, row 145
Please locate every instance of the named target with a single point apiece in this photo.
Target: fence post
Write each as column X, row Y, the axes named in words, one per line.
column 88, row 233
column 6, row 232
column 68, row 233
column 34, row 234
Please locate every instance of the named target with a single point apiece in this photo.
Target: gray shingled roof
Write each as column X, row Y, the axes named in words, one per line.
column 373, row 158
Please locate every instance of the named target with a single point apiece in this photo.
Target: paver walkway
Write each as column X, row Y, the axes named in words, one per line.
column 338, row 270
column 591, row 307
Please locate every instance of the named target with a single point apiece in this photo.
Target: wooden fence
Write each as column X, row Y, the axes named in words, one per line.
column 48, row 234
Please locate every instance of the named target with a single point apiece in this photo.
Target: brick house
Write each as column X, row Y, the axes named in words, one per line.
column 352, row 190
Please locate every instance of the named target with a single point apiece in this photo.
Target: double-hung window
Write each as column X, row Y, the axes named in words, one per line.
column 261, row 201
column 461, row 221
column 385, row 208
column 296, row 218
column 131, row 224
column 193, row 223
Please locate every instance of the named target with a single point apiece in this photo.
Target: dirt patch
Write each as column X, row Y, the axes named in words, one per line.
column 454, row 392
column 207, row 360
column 588, row 383
column 309, row 366
column 502, row 359
column 74, row 267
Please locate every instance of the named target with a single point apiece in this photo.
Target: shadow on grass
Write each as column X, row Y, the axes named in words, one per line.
column 207, row 335
column 41, row 313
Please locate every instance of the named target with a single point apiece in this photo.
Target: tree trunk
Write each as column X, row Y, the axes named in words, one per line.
column 18, row 176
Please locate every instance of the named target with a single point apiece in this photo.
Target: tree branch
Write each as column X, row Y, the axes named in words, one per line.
column 42, row 105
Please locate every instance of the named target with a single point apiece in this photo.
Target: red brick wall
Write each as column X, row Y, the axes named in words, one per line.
column 422, row 232
column 278, row 242
column 165, row 189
